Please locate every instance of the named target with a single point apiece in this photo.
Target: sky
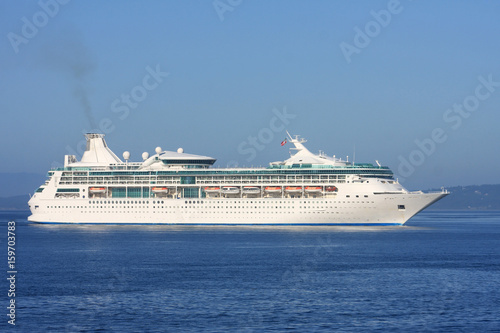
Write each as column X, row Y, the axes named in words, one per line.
column 414, row 85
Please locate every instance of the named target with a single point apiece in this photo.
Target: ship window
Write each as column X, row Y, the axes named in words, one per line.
column 347, row 196
column 401, row 207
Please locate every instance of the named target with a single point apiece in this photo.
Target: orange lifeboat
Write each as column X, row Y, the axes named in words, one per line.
column 97, row 189
column 293, row 189
column 159, row 189
column 212, row 189
column 273, row 189
column 313, row 189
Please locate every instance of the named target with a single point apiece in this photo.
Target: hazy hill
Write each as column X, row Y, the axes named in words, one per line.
column 14, row 184
column 472, row 197
column 18, row 202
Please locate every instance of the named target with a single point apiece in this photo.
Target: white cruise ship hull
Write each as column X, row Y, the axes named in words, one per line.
column 377, row 209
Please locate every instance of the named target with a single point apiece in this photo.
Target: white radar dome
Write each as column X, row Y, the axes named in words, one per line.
column 126, row 155
column 145, row 155
column 180, row 150
column 158, row 150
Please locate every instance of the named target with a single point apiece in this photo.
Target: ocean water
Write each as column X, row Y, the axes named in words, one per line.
column 440, row 272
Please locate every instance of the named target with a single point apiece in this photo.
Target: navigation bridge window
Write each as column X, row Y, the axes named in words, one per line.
column 401, row 207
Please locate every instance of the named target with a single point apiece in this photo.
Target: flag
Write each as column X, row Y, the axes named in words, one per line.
column 283, row 142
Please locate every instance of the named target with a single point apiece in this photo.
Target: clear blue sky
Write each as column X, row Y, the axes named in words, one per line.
column 374, row 75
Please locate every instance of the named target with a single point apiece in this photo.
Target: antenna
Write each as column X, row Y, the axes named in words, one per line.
column 289, row 135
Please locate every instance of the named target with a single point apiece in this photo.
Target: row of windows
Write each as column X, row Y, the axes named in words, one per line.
column 267, row 200
column 122, row 201
column 262, row 205
column 218, row 215
column 211, row 212
column 270, row 171
column 201, row 201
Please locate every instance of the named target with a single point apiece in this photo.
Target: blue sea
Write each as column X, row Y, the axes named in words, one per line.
column 439, row 272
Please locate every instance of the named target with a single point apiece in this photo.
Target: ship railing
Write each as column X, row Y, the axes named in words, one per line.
column 443, row 190
column 429, row 192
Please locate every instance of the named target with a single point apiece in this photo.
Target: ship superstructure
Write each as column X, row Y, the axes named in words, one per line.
column 173, row 187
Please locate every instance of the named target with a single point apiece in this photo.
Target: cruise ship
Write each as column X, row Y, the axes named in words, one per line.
column 174, row 187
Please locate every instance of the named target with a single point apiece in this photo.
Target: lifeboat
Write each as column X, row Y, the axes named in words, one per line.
column 332, row 189
column 159, row 190
column 273, row 189
column 293, row 189
column 97, row 190
column 230, row 190
column 313, row 189
column 212, row 189
column 251, row 189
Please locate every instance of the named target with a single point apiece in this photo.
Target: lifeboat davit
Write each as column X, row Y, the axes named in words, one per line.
column 97, row 190
column 273, row 189
column 159, row 189
column 332, row 189
column 313, row 189
column 293, row 189
column 212, row 189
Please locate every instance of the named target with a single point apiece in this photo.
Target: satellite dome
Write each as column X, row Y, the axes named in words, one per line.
column 180, row 150
column 145, row 155
column 158, row 150
column 126, row 155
